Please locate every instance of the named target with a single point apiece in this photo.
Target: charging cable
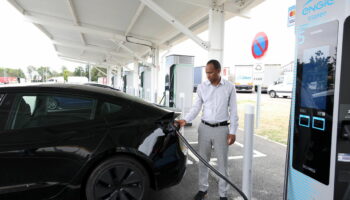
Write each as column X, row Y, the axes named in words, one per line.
column 207, row 164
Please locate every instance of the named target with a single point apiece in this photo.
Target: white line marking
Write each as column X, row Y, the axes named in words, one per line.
column 265, row 138
column 257, row 154
column 189, row 162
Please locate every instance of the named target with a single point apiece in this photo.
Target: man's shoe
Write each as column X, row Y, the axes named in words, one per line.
column 223, row 198
column 200, row 195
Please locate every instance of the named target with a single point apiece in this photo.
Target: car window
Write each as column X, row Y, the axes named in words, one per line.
column 5, row 107
column 46, row 110
column 31, row 101
column 107, row 108
column 1, row 97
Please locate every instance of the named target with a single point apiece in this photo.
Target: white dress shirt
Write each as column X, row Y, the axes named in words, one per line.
column 219, row 104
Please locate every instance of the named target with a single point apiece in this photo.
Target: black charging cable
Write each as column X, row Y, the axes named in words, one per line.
column 207, row 164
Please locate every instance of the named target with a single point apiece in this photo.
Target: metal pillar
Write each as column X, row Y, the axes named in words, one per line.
column 258, row 102
column 109, row 75
column 155, row 72
column 182, row 99
column 216, row 32
column 248, row 151
column 118, row 79
column 89, row 68
column 136, row 80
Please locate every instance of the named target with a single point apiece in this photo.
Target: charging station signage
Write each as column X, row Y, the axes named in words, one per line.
column 315, row 11
column 260, row 45
column 291, row 15
column 258, row 73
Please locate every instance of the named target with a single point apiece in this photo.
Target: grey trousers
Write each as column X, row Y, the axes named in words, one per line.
column 217, row 137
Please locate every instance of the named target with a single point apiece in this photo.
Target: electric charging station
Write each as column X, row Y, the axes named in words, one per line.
column 146, row 78
column 124, row 83
column 318, row 157
column 128, row 79
column 179, row 69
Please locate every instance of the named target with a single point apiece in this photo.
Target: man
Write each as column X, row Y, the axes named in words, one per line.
column 218, row 98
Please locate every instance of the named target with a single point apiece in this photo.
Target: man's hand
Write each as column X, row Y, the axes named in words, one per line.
column 231, row 139
column 181, row 122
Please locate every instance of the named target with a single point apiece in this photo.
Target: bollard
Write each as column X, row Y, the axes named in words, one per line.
column 258, row 99
column 155, row 100
column 148, row 95
column 141, row 93
column 248, row 150
column 182, row 103
column 167, row 96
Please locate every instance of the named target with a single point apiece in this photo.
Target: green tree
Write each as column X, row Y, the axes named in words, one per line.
column 9, row 72
column 31, row 70
column 79, row 71
column 97, row 73
column 55, row 74
column 44, row 72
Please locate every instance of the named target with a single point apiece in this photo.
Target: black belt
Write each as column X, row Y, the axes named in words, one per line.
column 225, row 123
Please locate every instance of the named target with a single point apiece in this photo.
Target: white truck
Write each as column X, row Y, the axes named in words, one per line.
column 266, row 76
column 244, row 78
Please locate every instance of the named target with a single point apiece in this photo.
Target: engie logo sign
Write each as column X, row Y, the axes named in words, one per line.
column 312, row 6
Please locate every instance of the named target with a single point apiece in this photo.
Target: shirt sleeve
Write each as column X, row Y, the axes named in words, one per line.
column 233, row 112
column 197, row 106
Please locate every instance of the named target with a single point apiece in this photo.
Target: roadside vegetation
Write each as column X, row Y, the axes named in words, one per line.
column 274, row 117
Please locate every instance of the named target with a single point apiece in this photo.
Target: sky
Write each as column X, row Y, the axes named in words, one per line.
column 23, row 44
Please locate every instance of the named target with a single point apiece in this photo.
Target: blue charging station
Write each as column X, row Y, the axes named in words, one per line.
column 318, row 157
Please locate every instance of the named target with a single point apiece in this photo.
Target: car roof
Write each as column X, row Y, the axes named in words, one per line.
column 68, row 88
column 83, row 90
column 60, row 87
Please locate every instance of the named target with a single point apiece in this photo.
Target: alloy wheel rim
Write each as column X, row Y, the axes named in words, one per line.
column 119, row 183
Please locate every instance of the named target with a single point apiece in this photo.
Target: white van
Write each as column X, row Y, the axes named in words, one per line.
column 283, row 86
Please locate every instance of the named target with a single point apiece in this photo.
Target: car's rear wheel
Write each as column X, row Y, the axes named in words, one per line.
column 272, row 94
column 119, row 178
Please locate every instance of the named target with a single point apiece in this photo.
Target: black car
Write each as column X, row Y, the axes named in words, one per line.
column 61, row 141
column 101, row 85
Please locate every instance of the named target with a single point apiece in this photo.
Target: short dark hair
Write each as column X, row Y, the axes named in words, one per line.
column 215, row 63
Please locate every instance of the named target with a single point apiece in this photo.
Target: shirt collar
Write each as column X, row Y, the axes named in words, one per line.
column 222, row 82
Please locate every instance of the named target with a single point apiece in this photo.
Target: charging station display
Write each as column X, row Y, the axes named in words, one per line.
column 315, row 73
column 314, row 98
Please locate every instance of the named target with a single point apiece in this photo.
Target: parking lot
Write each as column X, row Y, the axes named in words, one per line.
column 268, row 163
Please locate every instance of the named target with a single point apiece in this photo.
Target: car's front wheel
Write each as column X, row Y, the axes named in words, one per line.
column 118, row 178
column 272, row 94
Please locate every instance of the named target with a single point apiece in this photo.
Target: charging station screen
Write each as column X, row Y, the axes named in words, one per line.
column 315, row 72
column 314, row 100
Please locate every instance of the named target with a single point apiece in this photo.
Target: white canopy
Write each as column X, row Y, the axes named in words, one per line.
column 118, row 32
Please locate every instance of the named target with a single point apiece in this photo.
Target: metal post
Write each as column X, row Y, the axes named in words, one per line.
column 258, row 99
column 167, row 95
column 155, row 100
column 109, row 75
column 182, row 101
column 148, row 95
column 89, row 66
column 248, row 150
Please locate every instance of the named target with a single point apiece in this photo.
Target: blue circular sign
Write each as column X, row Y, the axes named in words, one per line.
column 260, row 45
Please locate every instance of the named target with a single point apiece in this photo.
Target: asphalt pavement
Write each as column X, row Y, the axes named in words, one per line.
column 268, row 170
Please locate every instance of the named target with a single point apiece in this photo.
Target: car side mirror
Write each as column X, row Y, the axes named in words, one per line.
column 275, row 82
